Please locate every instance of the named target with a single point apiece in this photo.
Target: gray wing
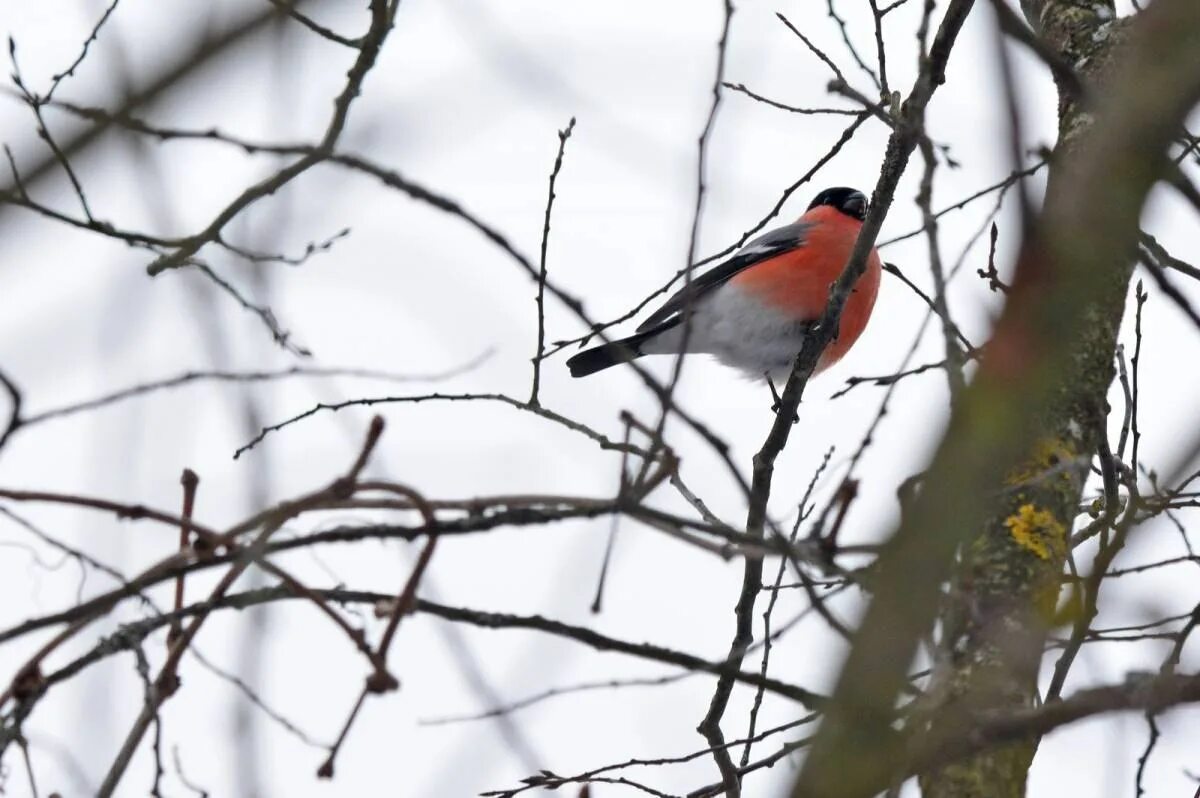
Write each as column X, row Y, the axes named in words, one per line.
column 766, row 246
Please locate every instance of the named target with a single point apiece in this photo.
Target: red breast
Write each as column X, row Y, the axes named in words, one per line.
column 797, row 282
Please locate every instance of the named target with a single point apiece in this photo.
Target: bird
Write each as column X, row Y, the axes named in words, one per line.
column 754, row 310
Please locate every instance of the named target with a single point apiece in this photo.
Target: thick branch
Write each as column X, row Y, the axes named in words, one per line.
column 1089, row 227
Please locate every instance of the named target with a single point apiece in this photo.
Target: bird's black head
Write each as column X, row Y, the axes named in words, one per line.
column 847, row 200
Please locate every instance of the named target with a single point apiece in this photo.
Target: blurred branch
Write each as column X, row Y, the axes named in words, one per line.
column 1086, row 228
column 1151, row 248
column 15, row 420
column 133, row 633
column 666, row 396
column 1001, row 186
column 180, row 638
column 189, row 377
column 1070, row 82
column 481, row 514
column 952, row 330
column 372, row 42
column 204, row 52
column 322, row 31
column 1154, row 694
column 886, row 379
column 955, row 356
column 1156, row 267
column 548, row 780
column 537, row 410
column 554, row 692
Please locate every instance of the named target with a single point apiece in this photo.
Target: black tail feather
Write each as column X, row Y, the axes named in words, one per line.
column 601, row 357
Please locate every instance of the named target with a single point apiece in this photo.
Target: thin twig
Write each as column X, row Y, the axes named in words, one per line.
column 539, row 355
column 189, row 480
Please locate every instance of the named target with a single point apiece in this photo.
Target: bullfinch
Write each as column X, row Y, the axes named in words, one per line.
column 753, row 311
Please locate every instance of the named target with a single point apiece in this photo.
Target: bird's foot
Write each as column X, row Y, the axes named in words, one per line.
column 776, row 400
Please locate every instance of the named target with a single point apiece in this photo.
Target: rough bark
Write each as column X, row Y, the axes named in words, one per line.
column 1006, row 586
column 1003, row 487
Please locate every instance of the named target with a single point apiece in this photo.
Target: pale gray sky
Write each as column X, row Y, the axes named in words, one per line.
column 467, row 98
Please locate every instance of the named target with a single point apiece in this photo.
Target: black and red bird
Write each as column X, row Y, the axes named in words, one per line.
column 753, row 311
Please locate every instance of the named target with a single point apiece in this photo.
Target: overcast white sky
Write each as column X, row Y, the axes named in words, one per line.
column 466, row 98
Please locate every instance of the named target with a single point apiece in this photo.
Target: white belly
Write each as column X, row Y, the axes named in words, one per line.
column 740, row 331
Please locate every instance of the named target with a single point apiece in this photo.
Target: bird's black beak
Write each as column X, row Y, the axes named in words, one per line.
column 856, row 206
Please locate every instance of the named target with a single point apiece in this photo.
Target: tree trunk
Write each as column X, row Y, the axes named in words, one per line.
column 1002, row 490
column 1007, row 582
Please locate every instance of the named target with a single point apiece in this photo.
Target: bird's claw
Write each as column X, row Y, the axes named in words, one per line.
column 777, row 401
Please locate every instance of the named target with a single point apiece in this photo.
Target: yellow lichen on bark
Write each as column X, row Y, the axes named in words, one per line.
column 1037, row 531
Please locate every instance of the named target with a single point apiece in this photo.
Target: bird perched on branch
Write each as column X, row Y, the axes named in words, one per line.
column 753, row 310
